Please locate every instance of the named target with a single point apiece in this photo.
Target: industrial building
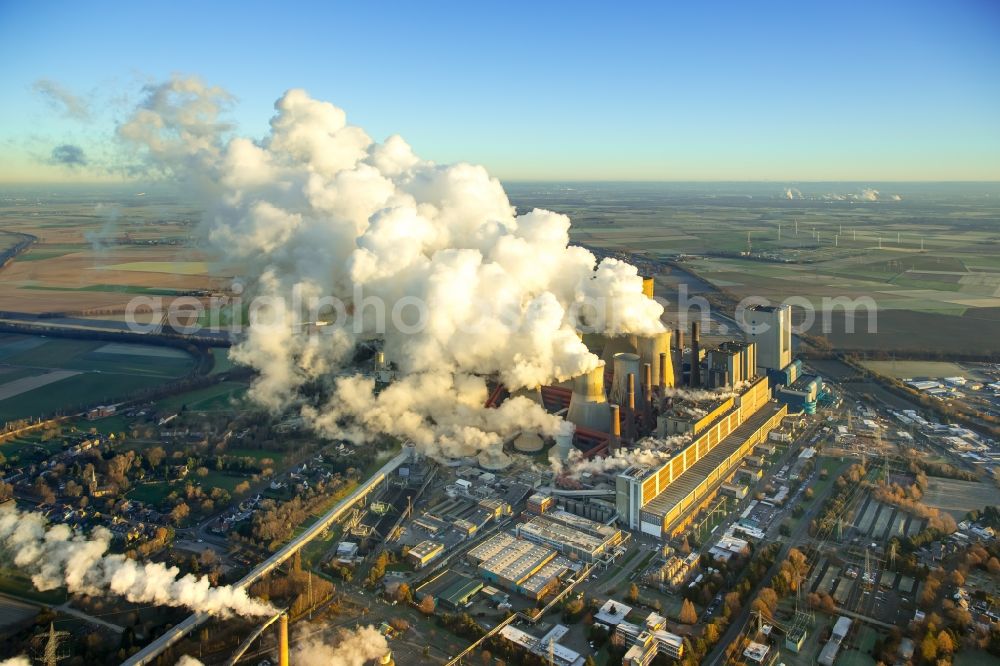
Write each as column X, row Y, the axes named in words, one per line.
column 646, row 641
column 528, row 568
column 424, row 553
column 828, row 655
column 573, row 537
column 450, row 589
column 770, row 326
column 802, row 394
column 653, row 499
column 731, row 364
column 546, row 647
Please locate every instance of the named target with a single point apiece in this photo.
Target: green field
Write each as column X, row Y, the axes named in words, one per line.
column 212, row 398
column 103, row 377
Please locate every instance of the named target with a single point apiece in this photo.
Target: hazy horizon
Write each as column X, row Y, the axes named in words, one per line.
column 779, row 92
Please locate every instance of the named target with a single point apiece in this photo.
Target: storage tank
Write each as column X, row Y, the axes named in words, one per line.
column 625, row 364
column 588, row 406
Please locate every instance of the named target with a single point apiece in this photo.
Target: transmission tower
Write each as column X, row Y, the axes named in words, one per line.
column 52, row 653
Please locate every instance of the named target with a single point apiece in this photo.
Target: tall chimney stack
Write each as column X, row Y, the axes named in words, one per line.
column 647, row 393
column 616, row 427
column 663, row 373
column 679, row 356
column 695, row 353
column 283, row 640
column 630, row 409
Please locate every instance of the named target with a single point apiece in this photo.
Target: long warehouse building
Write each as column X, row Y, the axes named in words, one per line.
column 654, row 499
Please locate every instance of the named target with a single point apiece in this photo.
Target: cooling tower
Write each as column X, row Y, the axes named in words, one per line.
column 532, row 394
column 649, row 352
column 625, row 365
column 564, row 444
column 494, row 460
column 612, row 346
column 588, row 406
column 528, row 442
column 648, row 286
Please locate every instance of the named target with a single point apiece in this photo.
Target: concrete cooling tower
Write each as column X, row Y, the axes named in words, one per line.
column 532, row 394
column 625, row 365
column 649, row 352
column 588, row 407
column 528, row 442
column 563, row 447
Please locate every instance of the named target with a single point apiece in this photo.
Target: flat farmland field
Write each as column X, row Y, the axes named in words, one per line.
column 958, row 497
column 911, row 369
column 48, row 375
column 925, row 257
column 98, row 247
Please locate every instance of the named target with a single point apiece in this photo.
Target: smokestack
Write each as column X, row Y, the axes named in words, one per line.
column 630, row 408
column 283, row 640
column 647, row 286
column 695, row 354
column 664, row 360
column 616, row 427
column 588, row 407
column 679, row 357
column 647, row 392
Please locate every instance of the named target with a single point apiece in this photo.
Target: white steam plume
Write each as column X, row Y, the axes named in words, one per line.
column 355, row 648
column 20, row 660
column 317, row 209
column 58, row 555
column 648, row 452
column 187, row 660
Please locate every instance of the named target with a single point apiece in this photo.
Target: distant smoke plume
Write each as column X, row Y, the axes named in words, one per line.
column 318, row 210
column 792, row 193
column 68, row 155
column 354, row 648
column 61, row 99
column 58, row 555
column 869, row 194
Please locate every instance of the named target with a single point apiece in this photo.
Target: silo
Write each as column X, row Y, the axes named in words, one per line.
column 650, row 349
column 625, row 364
column 588, row 406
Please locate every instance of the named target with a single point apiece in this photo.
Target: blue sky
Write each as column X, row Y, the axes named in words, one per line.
column 659, row 91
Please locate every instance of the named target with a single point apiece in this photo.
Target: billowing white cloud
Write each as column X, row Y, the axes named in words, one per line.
column 432, row 259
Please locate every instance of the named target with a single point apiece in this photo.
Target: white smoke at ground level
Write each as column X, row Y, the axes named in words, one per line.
column 55, row 556
column 21, row 660
column 352, row 648
column 188, row 660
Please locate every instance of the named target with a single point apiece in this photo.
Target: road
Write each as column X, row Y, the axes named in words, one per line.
column 737, row 623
